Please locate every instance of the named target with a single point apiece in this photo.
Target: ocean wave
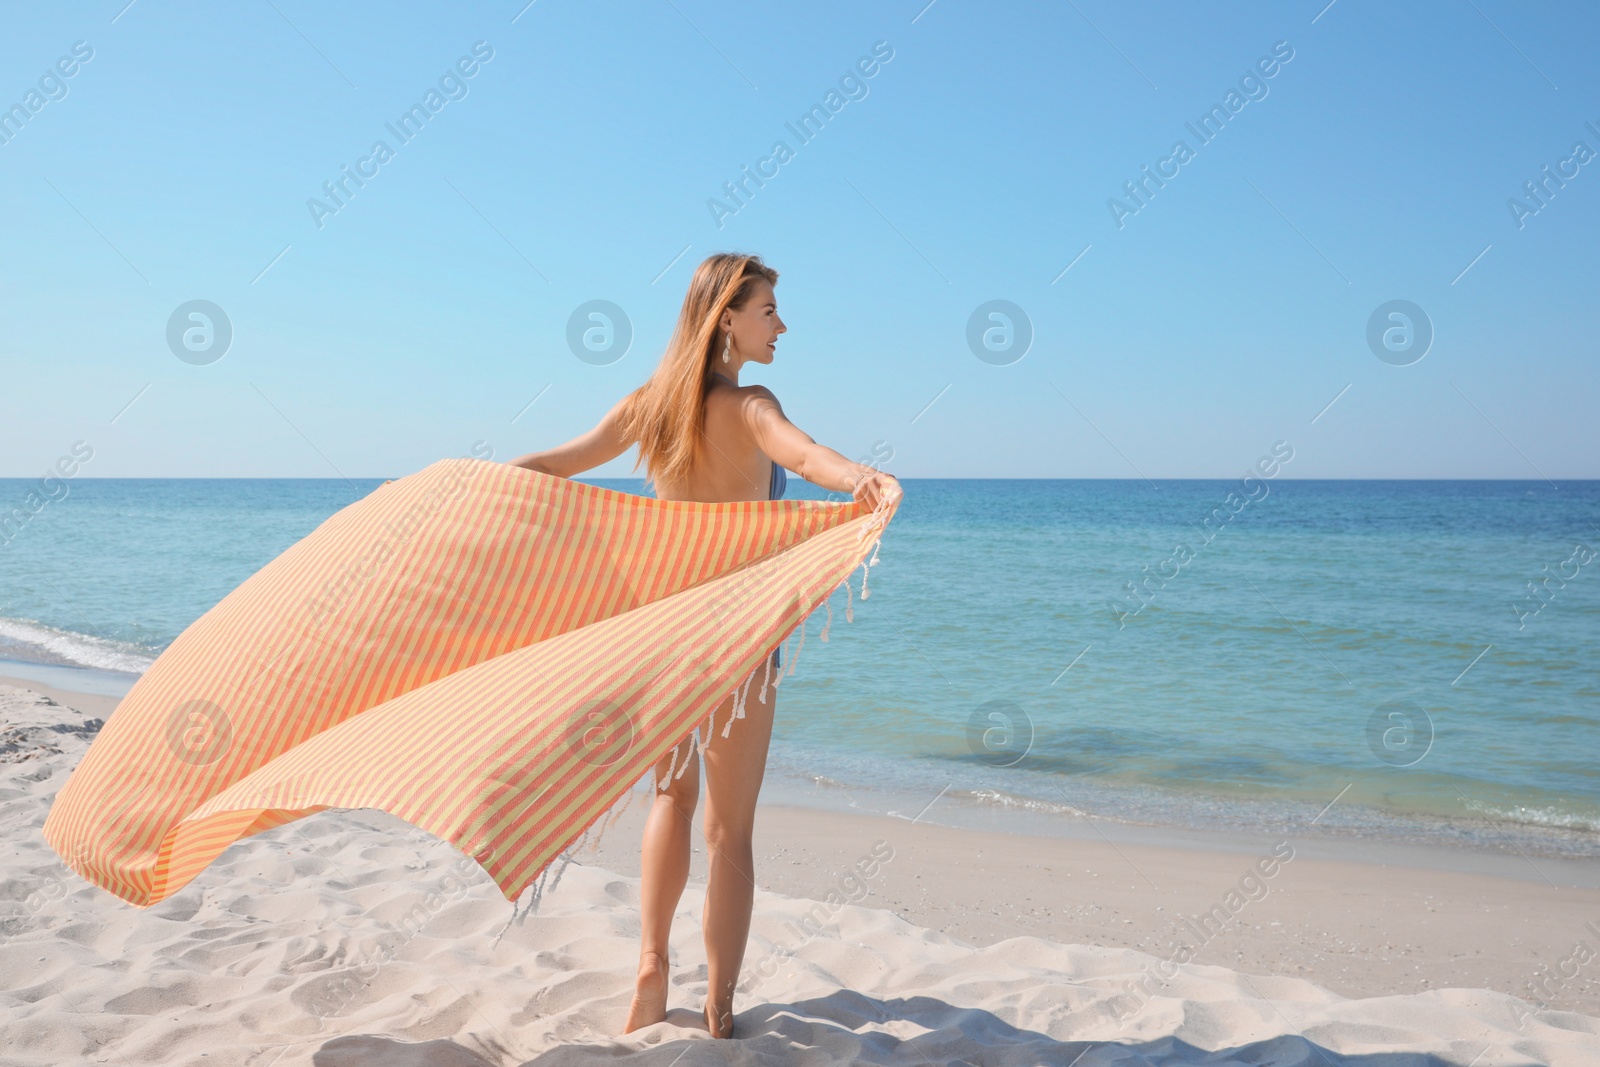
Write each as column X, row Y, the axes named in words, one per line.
column 25, row 639
column 1552, row 818
column 1012, row 800
column 1554, row 828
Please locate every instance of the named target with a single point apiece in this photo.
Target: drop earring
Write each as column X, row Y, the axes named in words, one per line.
column 727, row 347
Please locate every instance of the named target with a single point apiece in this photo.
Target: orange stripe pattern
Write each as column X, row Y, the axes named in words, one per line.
column 490, row 653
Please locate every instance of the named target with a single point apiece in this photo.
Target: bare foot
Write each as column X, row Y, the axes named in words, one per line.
column 649, row 993
column 720, row 1023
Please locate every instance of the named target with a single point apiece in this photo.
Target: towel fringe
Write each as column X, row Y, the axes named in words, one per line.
column 583, row 839
column 606, row 824
column 739, row 698
column 744, row 694
column 661, row 783
column 765, row 678
column 688, row 755
column 566, row 861
column 876, row 521
column 514, row 905
column 704, row 732
column 702, row 736
column 600, row 827
column 538, row 892
column 798, row 649
column 533, row 904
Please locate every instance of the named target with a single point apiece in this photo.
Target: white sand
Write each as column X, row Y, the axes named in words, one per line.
column 352, row 938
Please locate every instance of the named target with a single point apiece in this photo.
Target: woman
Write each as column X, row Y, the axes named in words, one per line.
column 702, row 436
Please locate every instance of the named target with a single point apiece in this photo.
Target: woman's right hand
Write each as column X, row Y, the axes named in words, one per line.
column 873, row 485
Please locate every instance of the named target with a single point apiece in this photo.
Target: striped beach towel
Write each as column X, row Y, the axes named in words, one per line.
column 490, row 653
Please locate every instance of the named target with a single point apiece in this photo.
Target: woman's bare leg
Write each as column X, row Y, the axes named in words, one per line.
column 664, row 869
column 734, row 768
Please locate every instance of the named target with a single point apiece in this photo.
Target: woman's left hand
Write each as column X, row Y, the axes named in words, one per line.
column 874, row 486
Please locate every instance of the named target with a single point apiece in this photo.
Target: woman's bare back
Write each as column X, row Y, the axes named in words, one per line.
column 729, row 464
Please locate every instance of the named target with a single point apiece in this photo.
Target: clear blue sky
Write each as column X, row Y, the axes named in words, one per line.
column 431, row 308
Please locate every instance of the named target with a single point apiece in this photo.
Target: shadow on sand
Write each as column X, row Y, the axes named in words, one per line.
column 846, row 1027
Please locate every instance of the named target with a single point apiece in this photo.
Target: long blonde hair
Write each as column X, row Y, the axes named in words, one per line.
column 666, row 415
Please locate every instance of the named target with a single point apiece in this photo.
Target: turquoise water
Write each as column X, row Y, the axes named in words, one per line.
column 1362, row 654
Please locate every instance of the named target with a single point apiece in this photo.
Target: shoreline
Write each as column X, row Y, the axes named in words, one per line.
column 1539, row 907
column 1358, row 928
column 1500, row 854
column 957, row 814
column 1371, row 953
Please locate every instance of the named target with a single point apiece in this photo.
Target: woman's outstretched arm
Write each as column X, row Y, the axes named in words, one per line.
column 600, row 445
column 793, row 449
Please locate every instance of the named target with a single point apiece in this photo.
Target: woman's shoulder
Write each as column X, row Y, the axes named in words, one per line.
column 743, row 406
column 740, row 397
column 742, row 393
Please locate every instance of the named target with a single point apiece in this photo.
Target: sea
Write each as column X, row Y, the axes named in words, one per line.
column 1406, row 662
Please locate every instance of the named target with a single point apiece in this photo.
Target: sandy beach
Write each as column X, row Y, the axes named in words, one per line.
column 1100, row 501
column 352, row 938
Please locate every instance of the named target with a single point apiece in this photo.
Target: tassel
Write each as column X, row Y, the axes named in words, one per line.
column 566, row 857
column 875, row 546
column 687, row 756
column 864, row 573
column 765, row 678
column 538, row 889
column 566, row 861
column 823, row 636
column 662, row 784
column 738, row 703
column 849, row 608
column 802, row 647
column 874, row 522
column 617, row 811
column 514, row 905
column 789, row 657
column 705, row 731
